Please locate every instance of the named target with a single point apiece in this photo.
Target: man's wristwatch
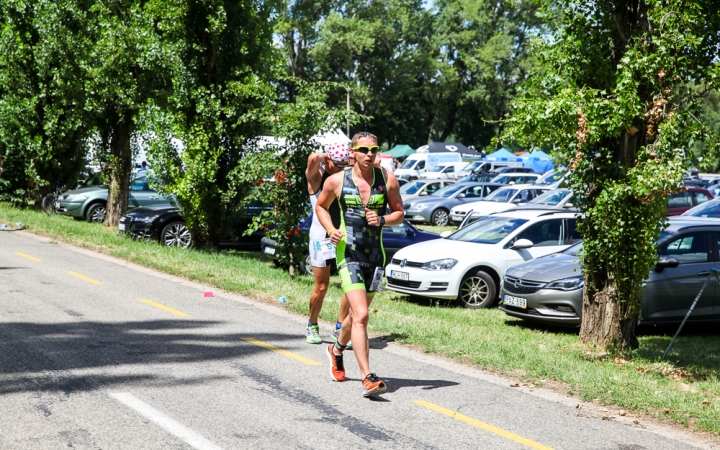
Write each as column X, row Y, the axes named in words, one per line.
column 382, row 220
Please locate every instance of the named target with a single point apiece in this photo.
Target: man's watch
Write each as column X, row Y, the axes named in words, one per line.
column 382, row 220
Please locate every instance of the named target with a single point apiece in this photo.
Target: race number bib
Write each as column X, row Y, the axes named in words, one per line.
column 377, row 285
column 327, row 248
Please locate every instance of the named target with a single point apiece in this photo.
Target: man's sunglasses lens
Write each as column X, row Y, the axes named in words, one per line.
column 367, row 150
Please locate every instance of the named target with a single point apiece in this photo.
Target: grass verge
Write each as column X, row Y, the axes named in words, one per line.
column 685, row 389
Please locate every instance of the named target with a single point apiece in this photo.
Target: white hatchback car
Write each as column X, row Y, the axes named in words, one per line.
column 502, row 199
column 470, row 264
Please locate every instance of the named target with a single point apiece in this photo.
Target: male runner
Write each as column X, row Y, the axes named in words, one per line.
column 319, row 168
column 364, row 192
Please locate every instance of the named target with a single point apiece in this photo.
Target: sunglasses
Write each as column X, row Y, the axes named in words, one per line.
column 365, row 150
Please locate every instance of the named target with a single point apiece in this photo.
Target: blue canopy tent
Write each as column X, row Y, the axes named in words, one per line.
column 502, row 155
column 538, row 161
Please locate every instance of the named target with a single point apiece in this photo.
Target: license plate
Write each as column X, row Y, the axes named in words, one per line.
column 457, row 218
column 515, row 301
column 399, row 275
column 269, row 250
column 121, row 226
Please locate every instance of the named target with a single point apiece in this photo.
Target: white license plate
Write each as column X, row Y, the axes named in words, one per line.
column 399, row 275
column 121, row 226
column 515, row 301
column 457, row 218
column 269, row 250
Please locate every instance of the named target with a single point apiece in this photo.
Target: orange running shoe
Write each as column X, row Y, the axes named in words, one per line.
column 373, row 385
column 337, row 368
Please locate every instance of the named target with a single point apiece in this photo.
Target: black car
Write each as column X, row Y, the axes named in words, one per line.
column 166, row 224
column 394, row 238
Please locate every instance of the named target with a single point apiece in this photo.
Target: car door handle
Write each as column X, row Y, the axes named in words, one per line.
column 704, row 273
column 155, row 197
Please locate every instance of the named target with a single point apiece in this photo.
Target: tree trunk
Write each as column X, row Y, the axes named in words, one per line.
column 120, row 170
column 603, row 325
column 605, row 322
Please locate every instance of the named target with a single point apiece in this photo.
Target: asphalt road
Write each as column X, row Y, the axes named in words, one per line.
column 96, row 353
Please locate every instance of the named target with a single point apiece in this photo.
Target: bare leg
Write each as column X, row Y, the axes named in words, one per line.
column 322, row 279
column 344, row 309
column 355, row 328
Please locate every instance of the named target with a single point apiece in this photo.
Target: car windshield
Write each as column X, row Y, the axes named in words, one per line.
column 550, row 198
column 574, row 250
column 447, row 191
column 501, row 195
column 489, row 230
column 707, row 209
column 408, row 163
column 412, row 188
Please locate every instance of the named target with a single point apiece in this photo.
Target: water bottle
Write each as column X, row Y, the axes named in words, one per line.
column 282, row 299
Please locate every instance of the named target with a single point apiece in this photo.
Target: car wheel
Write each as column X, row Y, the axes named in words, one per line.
column 440, row 218
column 305, row 265
column 96, row 213
column 477, row 290
column 176, row 234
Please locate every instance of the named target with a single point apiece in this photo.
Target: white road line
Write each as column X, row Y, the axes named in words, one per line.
column 186, row 434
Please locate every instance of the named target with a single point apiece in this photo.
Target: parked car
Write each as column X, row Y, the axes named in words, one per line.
column 402, row 182
column 91, row 202
column 421, row 188
column 500, row 170
column 165, row 223
column 706, row 209
column 552, row 199
column 552, row 178
column 479, row 167
column 687, row 198
column 435, row 208
column 507, row 197
column 550, row 289
column 469, row 264
column 443, row 171
column 393, row 239
column 483, row 177
column 516, row 178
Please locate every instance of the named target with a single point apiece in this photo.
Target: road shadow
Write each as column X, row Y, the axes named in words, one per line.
column 40, row 356
column 12, row 268
column 395, row 384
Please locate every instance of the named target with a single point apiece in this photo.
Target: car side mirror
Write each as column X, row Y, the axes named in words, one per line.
column 666, row 261
column 461, row 195
column 445, row 234
column 568, row 205
column 409, row 232
column 516, row 200
column 423, row 193
column 521, row 244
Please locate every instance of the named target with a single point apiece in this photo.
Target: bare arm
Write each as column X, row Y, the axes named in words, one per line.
column 312, row 172
column 397, row 215
column 328, row 195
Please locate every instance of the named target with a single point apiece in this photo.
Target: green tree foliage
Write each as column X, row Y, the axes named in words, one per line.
column 483, row 53
column 618, row 94
column 126, row 67
column 278, row 169
column 221, row 59
column 42, row 97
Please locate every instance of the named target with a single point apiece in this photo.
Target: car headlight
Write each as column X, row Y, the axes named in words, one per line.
column 567, row 284
column 419, row 207
column 440, row 264
column 75, row 197
column 148, row 219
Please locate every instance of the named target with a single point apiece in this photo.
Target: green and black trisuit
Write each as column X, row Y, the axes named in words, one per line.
column 360, row 251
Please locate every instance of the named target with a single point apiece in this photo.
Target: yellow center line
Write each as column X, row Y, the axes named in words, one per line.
column 31, row 258
column 163, row 307
column 83, row 277
column 282, row 352
column 483, row 425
